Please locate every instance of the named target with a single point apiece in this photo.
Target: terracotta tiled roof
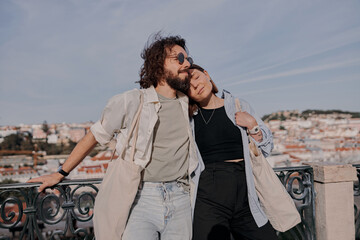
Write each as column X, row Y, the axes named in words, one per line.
column 94, row 168
column 14, row 209
column 104, row 155
column 341, row 149
column 294, row 146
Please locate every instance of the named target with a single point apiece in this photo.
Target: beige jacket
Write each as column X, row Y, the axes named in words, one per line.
column 118, row 116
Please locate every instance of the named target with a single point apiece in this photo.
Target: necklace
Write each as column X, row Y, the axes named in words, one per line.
column 206, row 122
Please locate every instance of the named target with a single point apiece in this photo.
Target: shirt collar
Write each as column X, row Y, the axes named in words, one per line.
column 151, row 96
column 225, row 94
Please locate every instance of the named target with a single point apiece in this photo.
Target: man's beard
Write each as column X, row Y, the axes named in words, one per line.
column 177, row 83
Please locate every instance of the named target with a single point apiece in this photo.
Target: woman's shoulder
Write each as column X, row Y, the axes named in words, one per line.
column 229, row 97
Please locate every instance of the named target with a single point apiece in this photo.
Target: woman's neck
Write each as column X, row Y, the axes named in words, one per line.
column 212, row 102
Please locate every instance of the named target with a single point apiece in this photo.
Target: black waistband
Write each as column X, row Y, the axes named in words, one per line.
column 225, row 166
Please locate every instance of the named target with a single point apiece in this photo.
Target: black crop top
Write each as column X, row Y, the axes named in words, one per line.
column 219, row 139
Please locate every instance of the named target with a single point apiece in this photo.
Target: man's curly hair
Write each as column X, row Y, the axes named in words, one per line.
column 154, row 54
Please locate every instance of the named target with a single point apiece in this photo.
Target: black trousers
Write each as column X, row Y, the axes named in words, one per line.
column 222, row 207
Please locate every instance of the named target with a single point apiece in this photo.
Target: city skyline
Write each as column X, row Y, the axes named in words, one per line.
column 61, row 61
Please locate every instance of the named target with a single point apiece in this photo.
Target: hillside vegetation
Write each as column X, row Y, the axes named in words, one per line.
column 284, row 115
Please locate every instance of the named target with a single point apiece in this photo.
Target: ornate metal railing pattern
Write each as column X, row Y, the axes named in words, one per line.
column 25, row 209
column 67, row 204
column 356, row 201
column 299, row 182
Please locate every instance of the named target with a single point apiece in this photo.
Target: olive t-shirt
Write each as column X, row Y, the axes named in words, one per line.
column 170, row 153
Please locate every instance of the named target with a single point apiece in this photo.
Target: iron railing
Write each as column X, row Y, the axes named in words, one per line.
column 28, row 214
column 65, row 211
column 299, row 182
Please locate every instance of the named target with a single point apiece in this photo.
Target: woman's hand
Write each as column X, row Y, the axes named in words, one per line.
column 47, row 180
column 244, row 119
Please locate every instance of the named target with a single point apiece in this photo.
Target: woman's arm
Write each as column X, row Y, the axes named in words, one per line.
column 263, row 140
column 244, row 119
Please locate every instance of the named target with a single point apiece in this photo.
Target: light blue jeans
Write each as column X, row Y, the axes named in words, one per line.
column 160, row 211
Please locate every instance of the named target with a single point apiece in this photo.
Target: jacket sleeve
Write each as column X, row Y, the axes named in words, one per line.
column 267, row 144
column 112, row 119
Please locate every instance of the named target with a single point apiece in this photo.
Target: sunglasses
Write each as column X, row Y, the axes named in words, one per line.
column 181, row 58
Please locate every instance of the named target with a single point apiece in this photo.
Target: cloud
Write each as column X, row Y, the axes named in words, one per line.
column 279, row 89
column 298, row 72
column 56, row 55
column 338, row 45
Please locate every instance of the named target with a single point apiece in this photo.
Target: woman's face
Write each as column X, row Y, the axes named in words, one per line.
column 200, row 85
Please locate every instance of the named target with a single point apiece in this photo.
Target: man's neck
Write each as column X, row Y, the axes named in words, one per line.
column 165, row 90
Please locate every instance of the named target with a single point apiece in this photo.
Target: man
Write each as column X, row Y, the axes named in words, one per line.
column 164, row 147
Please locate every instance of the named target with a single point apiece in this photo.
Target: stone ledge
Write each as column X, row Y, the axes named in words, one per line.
column 326, row 172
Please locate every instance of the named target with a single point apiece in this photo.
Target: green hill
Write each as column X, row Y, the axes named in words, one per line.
column 284, row 115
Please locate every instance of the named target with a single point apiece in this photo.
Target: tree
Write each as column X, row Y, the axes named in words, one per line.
column 282, row 117
column 45, row 127
column 8, row 181
column 19, row 141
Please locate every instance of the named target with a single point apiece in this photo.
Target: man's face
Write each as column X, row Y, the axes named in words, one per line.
column 177, row 74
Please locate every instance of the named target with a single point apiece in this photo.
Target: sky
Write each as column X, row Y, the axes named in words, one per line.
column 60, row 61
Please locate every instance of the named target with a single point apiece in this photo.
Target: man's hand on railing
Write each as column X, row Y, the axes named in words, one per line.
column 47, row 180
column 81, row 150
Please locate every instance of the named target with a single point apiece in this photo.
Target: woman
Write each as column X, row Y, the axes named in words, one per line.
column 226, row 199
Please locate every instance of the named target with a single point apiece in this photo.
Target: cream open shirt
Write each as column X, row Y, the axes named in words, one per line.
column 118, row 116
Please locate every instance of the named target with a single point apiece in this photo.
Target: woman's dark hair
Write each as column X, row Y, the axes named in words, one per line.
column 154, row 54
column 193, row 106
column 197, row 67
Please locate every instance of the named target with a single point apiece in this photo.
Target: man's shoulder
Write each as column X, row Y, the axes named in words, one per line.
column 133, row 93
column 125, row 96
column 130, row 93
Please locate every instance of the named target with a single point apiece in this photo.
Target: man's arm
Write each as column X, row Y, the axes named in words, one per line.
column 81, row 150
